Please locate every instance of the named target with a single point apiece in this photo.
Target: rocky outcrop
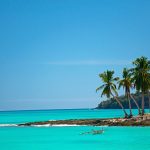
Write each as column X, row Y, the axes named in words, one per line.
column 136, row 121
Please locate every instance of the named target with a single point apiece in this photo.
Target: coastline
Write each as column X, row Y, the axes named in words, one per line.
column 135, row 121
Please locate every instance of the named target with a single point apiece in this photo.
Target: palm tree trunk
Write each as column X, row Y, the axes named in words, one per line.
column 128, row 97
column 118, row 101
column 149, row 100
column 135, row 103
column 143, row 103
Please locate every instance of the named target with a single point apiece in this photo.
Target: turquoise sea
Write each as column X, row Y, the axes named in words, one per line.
column 66, row 138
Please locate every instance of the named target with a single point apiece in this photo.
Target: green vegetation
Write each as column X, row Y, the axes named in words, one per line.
column 109, row 87
column 137, row 78
column 126, row 83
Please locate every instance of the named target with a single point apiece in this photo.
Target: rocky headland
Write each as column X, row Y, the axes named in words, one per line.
column 112, row 104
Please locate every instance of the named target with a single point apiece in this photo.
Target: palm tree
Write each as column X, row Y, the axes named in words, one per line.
column 141, row 77
column 126, row 83
column 109, row 87
column 149, row 100
column 137, row 105
column 149, row 89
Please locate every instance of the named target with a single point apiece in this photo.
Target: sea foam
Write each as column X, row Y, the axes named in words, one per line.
column 57, row 125
column 8, row 125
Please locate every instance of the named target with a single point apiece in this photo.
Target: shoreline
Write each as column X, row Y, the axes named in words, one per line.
column 135, row 121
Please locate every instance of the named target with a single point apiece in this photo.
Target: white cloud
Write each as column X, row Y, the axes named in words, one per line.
column 90, row 62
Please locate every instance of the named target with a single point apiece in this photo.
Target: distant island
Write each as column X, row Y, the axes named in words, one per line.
column 112, row 104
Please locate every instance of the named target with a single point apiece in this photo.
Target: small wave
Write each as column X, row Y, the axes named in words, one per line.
column 57, row 125
column 8, row 125
column 44, row 125
column 52, row 120
column 66, row 125
column 103, row 126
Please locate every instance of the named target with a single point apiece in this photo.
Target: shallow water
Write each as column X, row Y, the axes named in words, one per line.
column 65, row 138
column 56, row 138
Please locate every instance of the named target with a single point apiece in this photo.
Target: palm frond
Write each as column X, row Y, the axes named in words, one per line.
column 114, row 90
column 100, row 87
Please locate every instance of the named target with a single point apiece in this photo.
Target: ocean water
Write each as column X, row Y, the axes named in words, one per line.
column 66, row 138
column 42, row 115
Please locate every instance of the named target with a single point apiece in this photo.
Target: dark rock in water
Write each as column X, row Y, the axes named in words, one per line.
column 94, row 132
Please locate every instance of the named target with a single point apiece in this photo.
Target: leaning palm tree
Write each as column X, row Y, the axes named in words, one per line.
column 149, row 99
column 141, row 77
column 109, row 87
column 137, row 105
column 148, row 93
column 126, row 83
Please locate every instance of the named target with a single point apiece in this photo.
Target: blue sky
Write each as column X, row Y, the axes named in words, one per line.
column 52, row 51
